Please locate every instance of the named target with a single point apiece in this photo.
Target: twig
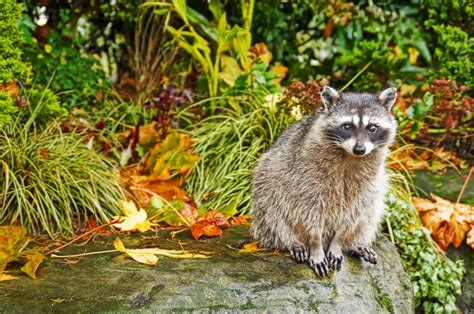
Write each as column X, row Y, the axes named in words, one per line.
column 463, row 187
column 79, row 237
column 83, row 254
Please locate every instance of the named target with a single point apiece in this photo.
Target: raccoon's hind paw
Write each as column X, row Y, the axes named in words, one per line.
column 334, row 261
column 320, row 268
column 300, row 254
column 364, row 252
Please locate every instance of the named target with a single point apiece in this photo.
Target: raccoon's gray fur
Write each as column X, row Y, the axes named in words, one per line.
column 319, row 189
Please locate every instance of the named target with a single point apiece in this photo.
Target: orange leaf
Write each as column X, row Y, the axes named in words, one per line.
column 240, row 220
column 446, row 222
column 470, row 238
column 205, row 227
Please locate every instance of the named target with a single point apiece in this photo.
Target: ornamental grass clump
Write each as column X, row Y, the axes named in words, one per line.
column 229, row 144
column 50, row 180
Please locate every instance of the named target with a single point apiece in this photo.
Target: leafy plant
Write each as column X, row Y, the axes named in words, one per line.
column 210, row 44
column 76, row 77
column 435, row 278
column 50, row 179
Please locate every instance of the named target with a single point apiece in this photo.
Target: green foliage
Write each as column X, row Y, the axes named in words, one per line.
column 50, row 180
column 435, row 278
column 229, row 145
column 11, row 65
column 209, row 42
column 7, row 108
column 76, row 76
column 454, row 53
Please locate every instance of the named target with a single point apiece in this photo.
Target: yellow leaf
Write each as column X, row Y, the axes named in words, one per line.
column 5, row 277
column 230, row 70
column 249, row 248
column 170, row 253
column 48, row 48
column 118, row 244
column 407, row 89
column 128, row 208
column 137, row 221
column 413, row 55
column 32, row 264
column 141, row 257
column 57, row 300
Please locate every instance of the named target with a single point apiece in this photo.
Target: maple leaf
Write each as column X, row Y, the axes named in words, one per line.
column 240, row 220
column 135, row 219
column 32, row 264
column 209, row 224
column 446, row 222
column 13, row 241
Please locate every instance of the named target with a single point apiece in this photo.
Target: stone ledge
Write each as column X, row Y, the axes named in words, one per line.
column 229, row 281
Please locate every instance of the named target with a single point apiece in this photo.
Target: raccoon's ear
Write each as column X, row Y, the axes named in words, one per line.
column 329, row 97
column 387, row 97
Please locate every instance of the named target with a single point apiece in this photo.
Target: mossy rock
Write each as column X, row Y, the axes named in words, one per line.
column 229, row 281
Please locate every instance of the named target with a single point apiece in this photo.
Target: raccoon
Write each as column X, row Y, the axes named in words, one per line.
column 319, row 190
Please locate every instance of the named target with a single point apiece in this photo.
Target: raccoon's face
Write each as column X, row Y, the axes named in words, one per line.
column 359, row 123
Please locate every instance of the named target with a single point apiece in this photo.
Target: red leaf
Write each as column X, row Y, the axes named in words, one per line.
column 205, row 227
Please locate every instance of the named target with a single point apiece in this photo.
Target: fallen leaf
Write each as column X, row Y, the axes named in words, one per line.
column 32, row 264
column 57, row 300
column 446, row 222
column 249, row 248
column 209, row 224
column 148, row 255
column 5, row 277
column 135, row 219
column 143, row 258
column 204, row 227
column 470, row 238
column 240, row 220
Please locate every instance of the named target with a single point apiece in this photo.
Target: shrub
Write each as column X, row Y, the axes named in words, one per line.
column 11, row 65
column 49, row 180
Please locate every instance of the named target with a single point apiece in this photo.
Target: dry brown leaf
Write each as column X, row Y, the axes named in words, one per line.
column 446, row 222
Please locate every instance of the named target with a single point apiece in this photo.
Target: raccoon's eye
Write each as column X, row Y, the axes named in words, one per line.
column 372, row 128
column 346, row 126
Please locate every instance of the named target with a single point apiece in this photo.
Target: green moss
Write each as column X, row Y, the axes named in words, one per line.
column 385, row 301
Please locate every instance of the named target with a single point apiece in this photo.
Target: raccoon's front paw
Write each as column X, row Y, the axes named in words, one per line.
column 334, row 260
column 320, row 267
column 364, row 252
column 300, row 254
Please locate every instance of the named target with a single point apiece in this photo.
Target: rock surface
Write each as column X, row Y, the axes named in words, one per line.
column 229, row 281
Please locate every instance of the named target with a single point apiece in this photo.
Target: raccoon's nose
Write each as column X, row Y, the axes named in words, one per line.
column 358, row 149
